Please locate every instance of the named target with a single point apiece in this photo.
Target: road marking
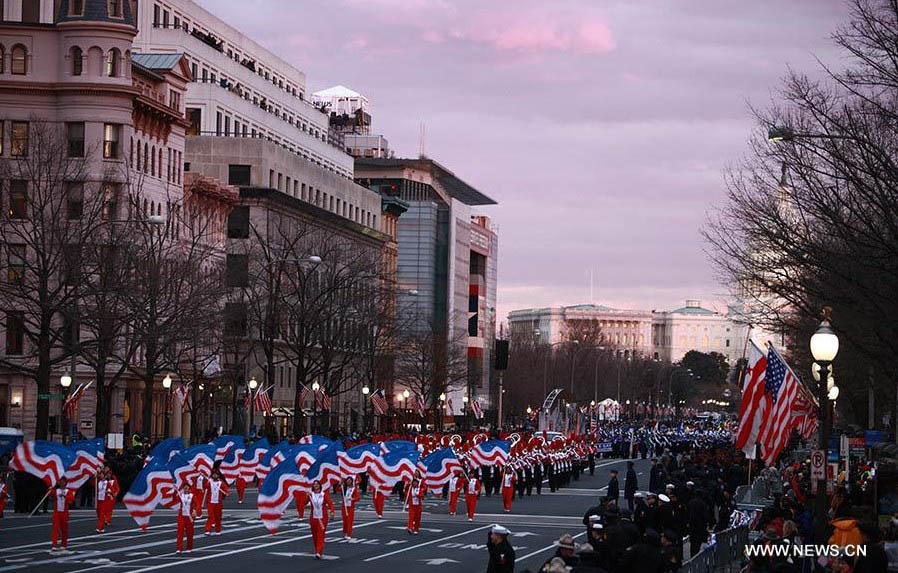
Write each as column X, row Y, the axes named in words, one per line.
column 44, row 524
column 546, row 548
column 325, row 557
column 439, row 561
column 235, row 551
column 403, row 550
column 400, row 527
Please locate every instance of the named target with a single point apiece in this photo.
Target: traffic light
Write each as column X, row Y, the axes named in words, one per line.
column 501, row 355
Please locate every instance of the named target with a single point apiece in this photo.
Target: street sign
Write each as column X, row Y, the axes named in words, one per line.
column 818, row 465
column 45, row 396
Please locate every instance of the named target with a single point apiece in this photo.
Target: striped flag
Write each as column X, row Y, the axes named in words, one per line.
column 153, row 485
column 379, row 401
column 418, row 404
column 475, row 407
column 325, row 399
column 89, row 457
column 780, row 390
column 490, row 453
column 181, row 393
column 753, row 405
column 71, row 403
column 304, row 393
column 40, row 458
column 262, row 401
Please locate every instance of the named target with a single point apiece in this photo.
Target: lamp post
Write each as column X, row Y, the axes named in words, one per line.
column 315, row 387
column 66, row 381
column 465, row 399
column 166, row 384
column 365, row 391
column 442, row 399
column 824, row 347
column 252, row 384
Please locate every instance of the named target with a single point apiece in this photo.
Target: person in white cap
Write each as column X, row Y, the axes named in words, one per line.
column 500, row 550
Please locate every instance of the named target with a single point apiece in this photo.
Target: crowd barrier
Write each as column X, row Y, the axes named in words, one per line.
column 726, row 552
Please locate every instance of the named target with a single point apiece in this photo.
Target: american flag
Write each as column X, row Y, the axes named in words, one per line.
column 181, row 394
column 71, row 403
column 593, row 423
column 418, row 404
column 304, row 393
column 804, row 413
column 449, row 405
column 325, row 399
column 753, row 405
column 780, row 390
column 379, row 401
column 478, row 411
column 262, row 401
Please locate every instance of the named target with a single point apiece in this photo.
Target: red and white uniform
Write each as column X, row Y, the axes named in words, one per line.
column 320, row 504
column 4, row 490
column 186, row 509
column 62, row 497
column 472, row 490
column 414, row 500
column 241, row 488
column 112, row 489
column 199, row 492
column 351, row 496
column 102, row 496
column 216, row 491
column 379, row 498
column 456, row 485
column 509, row 479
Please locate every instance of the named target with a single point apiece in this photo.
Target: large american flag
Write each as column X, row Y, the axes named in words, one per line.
column 304, row 393
column 475, row 407
column 753, row 405
column 781, row 388
column 379, row 401
column 418, row 404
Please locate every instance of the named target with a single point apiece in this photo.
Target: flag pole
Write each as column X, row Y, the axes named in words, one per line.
column 40, row 502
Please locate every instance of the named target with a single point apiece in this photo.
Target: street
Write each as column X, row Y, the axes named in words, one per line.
column 449, row 543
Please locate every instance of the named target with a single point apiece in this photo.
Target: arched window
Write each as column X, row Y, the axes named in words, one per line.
column 153, row 162
column 77, row 61
column 2, row 59
column 19, row 65
column 159, row 172
column 146, row 161
column 112, row 63
column 139, row 156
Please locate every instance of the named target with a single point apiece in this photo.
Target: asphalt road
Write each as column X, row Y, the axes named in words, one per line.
column 445, row 543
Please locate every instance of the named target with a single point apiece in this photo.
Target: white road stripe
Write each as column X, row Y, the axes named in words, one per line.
column 44, row 524
column 426, row 543
column 225, row 553
column 546, row 548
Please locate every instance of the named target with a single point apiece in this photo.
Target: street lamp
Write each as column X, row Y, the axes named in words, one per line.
column 365, row 391
column 253, row 384
column 166, row 384
column 824, row 348
column 65, row 381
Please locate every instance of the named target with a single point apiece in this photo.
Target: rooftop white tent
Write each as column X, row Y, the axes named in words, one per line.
column 340, row 99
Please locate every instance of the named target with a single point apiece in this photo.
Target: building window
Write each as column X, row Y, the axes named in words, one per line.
column 18, row 199
column 227, row 125
column 195, row 117
column 76, row 8
column 112, row 63
column 111, row 133
column 239, row 174
column 31, row 11
column 74, row 195
column 165, row 18
column 236, row 270
column 218, row 122
column 15, row 332
column 238, row 223
column 110, row 201
column 19, row 139
column 75, row 136
column 77, row 61
column 235, row 319
column 156, row 15
column 15, row 272
column 19, row 65
column 115, row 8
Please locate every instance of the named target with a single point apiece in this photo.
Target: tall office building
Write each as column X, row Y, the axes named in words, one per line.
column 447, row 262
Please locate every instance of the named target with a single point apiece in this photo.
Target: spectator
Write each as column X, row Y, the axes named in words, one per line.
column 565, row 550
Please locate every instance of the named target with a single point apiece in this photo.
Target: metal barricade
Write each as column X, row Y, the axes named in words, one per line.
column 727, row 551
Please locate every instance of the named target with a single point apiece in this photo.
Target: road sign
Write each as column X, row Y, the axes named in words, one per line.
column 818, row 465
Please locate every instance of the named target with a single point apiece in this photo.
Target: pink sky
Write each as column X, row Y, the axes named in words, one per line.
column 601, row 127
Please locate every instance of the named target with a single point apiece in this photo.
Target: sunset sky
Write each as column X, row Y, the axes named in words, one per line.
column 601, row 127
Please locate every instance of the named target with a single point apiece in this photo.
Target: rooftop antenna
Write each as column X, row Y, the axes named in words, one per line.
column 422, row 142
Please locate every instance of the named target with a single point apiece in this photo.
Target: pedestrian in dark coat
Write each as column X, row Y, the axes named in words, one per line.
column 613, row 486
column 656, row 477
column 630, row 485
column 500, row 550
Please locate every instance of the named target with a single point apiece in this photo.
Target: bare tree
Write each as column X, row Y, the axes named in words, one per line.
column 58, row 209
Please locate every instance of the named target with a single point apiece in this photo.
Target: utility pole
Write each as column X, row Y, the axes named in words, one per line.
column 501, row 391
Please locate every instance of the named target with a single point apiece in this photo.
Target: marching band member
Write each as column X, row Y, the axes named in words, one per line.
column 187, row 512
column 240, row 484
column 379, row 499
column 217, row 490
column 414, row 496
column 102, row 495
column 508, row 482
column 4, row 490
column 199, row 492
column 112, row 491
column 347, row 508
column 456, row 485
column 62, row 498
column 321, row 507
column 472, row 491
